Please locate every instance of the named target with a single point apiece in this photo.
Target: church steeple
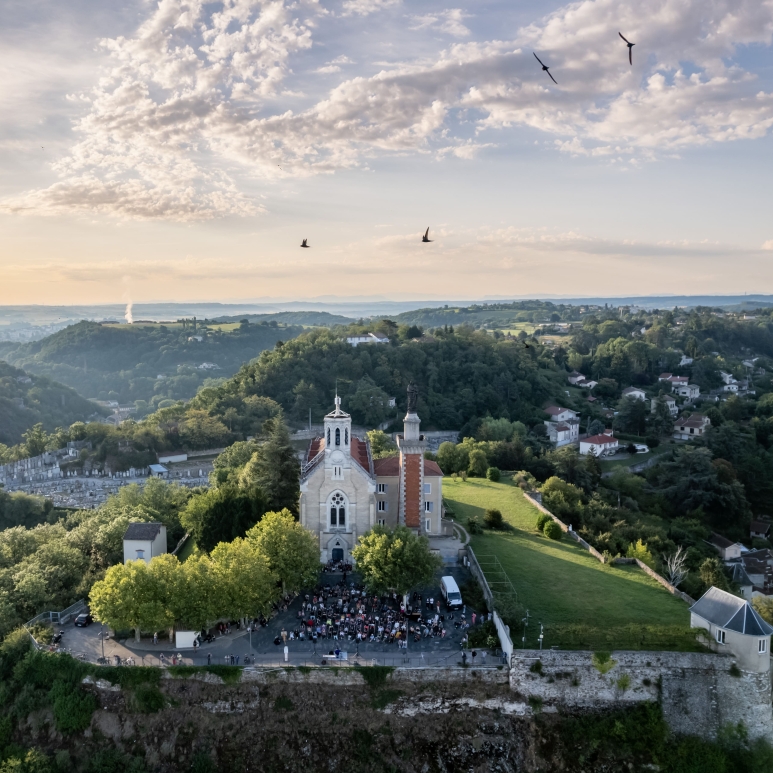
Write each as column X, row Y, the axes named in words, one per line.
column 338, row 430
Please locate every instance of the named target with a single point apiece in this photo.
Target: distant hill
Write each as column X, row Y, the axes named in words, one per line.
column 124, row 362
column 26, row 399
column 307, row 318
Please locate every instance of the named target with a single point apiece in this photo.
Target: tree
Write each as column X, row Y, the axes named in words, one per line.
column 661, row 422
column 130, row 597
column 493, row 519
column 35, row 440
column 596, row 427
column 713, row 574
column 675, row 566
column 571, row 467
column 221, row 514
column 369, row 404
column 478, row 463
column 631, row 415
column 394, row 559
column 552, row 530
column 381, row 444
column 448, row 458
column 274, row 468
column 764, row 607
column 292, row 550
column 244, row 580
column 639, row 550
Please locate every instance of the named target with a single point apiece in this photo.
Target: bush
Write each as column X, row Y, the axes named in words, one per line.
column 493, row 519
column 148, row 699
column 375, row 676
column 493, row 474
column 542, row 519
column 552, row 530
column 473, row 525
column 72, row 707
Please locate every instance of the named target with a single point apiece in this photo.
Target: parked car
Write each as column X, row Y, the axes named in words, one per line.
column 641, row 448
column 83, row 619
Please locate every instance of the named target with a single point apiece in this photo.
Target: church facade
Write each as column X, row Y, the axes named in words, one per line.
column 345, row 492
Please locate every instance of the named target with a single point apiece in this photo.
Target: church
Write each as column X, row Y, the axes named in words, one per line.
column 345, row 491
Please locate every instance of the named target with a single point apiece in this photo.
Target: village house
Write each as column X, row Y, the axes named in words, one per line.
column 759, row 529
column 587, row 384
column 734, row 626
column 563, row 427
column 685, row 361
column 727, row 550
column 345, row 492
column 143, row 541
column 604, row 444
column 367, row 338
column 634, row 393
column 670, row 403
column 688, row 427
column 688, row 391
column 574, row 377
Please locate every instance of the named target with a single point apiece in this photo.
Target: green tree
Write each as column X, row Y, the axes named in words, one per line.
column 243, row 578
column 274, row 468
column 712, row 573
column 292, row 551
column 394, row 559
column 369, row 405
column 130, row 596
column 631, row 415
column 448, row 458
column 493, row 519
column 661, row 422
column 639, row 550
column 35, row 440
column 478, row 463
column 221, row 514
column 381, row 445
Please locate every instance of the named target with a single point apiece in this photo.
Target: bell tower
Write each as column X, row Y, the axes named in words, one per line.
column 412, row 446
column 338, row 441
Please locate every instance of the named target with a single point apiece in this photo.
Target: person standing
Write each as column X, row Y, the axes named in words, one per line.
column 209, row 658
column 155, row 638
column 474, row 655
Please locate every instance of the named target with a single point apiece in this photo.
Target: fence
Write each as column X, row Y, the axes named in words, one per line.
column 57, row 617
column 504, row 636
column 477, row 572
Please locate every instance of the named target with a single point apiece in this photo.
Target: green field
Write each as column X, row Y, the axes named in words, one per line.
column 582, row 603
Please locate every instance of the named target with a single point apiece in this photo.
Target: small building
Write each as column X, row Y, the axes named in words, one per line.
column 759, row 529
column 665, row 377
column 587, row 383
column 727, row 550
column 143, row 541
column 731, row 387
column 634, row 393
column 727, row 378
column 685, row 361
column 670, row 403
column 599, row 445
column 693, row 426
column 574, row 377
column 734, row 627
column 677, row 381
column 172, row 456
column 158, row 471
column 368, row 338
column 562, row 433
column 740, row 577
column 557, row 413
column 688, row 391
column 196, row 338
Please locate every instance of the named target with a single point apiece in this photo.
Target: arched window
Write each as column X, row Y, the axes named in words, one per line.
column 338, row 436
column 346, row 437
column 328, row 435
column 338, row 509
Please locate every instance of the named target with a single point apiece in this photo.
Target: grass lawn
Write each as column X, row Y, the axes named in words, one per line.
column 582, row 603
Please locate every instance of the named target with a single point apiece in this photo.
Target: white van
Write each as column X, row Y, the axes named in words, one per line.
column 451, row 593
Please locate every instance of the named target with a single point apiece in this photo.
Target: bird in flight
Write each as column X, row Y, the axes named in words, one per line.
column 426, row 238
column 545, row 68
column 630, row 48
column 303, row 243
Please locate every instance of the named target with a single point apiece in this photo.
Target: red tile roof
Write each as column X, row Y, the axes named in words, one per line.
column 599, row 440
column 389, row 467
column 315, row 447
column 360, row 452
column 432, row 469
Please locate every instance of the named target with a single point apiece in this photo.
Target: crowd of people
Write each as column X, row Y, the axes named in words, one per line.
column 347, row 613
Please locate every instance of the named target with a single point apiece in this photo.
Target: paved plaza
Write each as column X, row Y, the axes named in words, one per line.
column 261, row 650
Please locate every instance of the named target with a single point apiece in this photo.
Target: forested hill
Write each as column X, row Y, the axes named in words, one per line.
column 26, row 400
column 307, row 318
column 124, row 362
column 462, row 375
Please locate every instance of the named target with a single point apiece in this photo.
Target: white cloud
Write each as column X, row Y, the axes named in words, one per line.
column 768, row 245
column 448, row 21
column 188, row 105
column 367, row 7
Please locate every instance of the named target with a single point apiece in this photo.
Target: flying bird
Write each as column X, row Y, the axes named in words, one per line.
column 426, row 238
column 303, row 243
column 630, row 48
column 545, row 68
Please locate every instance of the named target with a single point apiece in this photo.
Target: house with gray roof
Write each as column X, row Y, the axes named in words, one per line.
column 143, row 541
column 734, row 627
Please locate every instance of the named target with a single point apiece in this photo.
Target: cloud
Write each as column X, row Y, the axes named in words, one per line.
column 189, row 109
column 768, row 245
column 367, row 7
column 448, row 21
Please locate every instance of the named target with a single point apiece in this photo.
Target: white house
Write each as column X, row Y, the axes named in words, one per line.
column 587, row 384
column 599, row 445
column 557, row 413
column 731, row 387
column 727, row 378
column 690, row 391
column 563, row 427
column 691, row 426
column 158, row 471
column 574, row 377
column 143, row 541
column 196, row 338
column 669, row 401
column 368, row 338
column 734, row 627
column 634, row 393
column 685, row 361
column 728, row 551
column 665, row 377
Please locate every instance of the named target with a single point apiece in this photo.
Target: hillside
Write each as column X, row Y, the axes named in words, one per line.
column 148, row 362
column 306, row 318
column 26, row 400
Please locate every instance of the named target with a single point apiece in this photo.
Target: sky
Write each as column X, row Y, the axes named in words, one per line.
column 181, row 150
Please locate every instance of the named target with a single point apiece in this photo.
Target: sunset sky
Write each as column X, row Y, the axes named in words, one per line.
column 181, row 150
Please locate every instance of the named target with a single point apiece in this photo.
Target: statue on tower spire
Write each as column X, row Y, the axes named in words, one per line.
column 413, row 397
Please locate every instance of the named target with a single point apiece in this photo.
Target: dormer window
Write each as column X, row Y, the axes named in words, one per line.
column 338, row 436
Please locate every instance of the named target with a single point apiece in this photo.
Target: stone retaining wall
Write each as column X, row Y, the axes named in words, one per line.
column 697, row 691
